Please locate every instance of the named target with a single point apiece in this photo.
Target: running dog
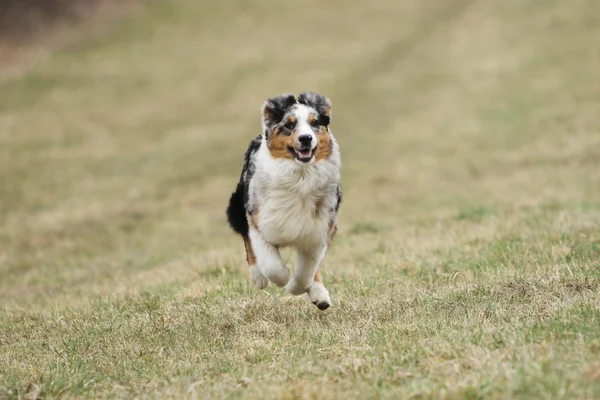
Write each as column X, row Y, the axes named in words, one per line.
column 289, row 194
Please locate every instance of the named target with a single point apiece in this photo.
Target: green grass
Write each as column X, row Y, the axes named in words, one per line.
column 467, row 263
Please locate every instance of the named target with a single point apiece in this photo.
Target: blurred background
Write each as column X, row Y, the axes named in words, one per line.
column 123, row 126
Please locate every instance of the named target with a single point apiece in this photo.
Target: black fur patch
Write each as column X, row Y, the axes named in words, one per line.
column 319, row 103
column 339, row 198
column 324, row 120
column 238, row 202
column 236, row 211
column 275, row 109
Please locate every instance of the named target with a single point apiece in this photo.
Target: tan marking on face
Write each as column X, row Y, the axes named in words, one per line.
column 279, row 142
column 249, row 252
column 323, row 144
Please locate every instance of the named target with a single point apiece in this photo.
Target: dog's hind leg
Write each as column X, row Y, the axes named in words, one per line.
column 255, row 275
column 268, row 260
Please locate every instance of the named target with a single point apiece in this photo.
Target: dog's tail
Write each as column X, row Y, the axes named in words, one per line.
column 236, row 211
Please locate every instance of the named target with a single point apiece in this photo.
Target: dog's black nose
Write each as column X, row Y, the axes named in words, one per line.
column 305, row 140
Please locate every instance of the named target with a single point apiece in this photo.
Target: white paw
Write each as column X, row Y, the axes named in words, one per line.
column 258, row 278
column 319, row 296
column 294, row 287
column 279, row 274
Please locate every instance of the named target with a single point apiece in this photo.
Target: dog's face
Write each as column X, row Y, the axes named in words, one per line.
column 298, row 128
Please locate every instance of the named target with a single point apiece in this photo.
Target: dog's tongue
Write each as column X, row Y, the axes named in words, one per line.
column 304, row 153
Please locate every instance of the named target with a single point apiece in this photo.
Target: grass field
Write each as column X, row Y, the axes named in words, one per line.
column 467, row 263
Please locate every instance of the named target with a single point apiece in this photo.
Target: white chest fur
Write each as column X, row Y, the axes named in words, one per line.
column 295, row 201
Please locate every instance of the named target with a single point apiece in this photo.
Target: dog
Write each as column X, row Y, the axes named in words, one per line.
column 289, row 194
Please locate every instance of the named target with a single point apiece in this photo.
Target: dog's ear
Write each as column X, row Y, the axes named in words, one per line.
column 320, row 103
column 274, row 109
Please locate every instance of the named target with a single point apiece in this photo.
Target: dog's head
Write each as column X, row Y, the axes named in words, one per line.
column 297, row 128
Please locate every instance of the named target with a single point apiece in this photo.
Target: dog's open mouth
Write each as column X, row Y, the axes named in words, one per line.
column 303, row 155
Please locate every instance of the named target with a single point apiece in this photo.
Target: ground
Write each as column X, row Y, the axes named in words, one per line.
column 467, row 262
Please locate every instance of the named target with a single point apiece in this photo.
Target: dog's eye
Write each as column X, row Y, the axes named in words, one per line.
column 289, row 125
column 314, row 123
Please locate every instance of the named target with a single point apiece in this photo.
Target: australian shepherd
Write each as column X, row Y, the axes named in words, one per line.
column 289, row 194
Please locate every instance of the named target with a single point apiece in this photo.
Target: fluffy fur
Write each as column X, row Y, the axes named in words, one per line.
column 289, row 194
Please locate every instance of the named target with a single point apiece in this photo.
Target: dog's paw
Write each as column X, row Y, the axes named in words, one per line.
column 294, row 287
column 279, row 274
column 319, row 296
column 258, row 278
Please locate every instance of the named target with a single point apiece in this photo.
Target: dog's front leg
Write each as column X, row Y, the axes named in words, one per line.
column 268, row 261
column 304, row 281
